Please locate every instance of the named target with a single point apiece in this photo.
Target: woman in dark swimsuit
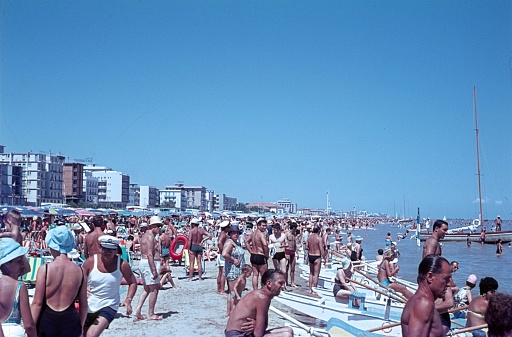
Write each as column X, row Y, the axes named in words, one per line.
column 58, row 284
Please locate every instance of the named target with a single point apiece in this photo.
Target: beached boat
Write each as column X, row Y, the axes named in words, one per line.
column 372, row 316
column 490, row 237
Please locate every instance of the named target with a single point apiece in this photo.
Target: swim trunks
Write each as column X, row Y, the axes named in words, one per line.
column 445, row 319
column 234, row 295
column 258, row 259
column 234, row 333
column 108, row 313
column 278, row 256
column 313, row 258
column 337, row 287
column 290, row 252
column 196, row 249
column 165, row 251
column 146, row 274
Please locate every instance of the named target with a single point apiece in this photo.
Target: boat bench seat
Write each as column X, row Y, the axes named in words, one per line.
column 357, row 296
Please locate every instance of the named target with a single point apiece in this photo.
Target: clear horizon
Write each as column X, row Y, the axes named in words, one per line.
column 371, row 102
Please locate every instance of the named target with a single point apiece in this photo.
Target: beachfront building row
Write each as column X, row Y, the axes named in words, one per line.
column 33, row 179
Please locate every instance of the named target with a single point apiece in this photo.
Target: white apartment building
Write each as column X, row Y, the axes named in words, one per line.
column 41, row 180
column 90, row 188
column 113, row 186
column 288, row 206
column 173, row 195
column 149, row 196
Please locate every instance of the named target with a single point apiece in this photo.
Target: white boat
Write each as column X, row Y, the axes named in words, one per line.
column 374, row 316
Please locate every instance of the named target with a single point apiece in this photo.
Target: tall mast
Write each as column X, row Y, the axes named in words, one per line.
column 480, row 216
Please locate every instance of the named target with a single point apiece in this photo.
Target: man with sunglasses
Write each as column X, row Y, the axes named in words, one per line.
column 104, row 272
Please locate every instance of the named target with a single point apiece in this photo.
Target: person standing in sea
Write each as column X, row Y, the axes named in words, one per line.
column 497, row 222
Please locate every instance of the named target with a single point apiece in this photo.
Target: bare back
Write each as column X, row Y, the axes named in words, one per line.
column 315, row 245
column 92, row 245
column 431, row 246
column 196, row 236
column 254, row 305
column 259, row 243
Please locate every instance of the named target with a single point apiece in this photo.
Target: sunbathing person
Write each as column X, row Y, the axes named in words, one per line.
column 385, row 272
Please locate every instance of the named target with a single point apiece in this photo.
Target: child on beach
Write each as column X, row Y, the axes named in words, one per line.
column 240, row 283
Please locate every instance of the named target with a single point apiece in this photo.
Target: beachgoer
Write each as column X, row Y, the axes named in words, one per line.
column 478, row 306
column 463, row 297
column 278, row 239
column 104, row 272
column 357, row 249
column 164, row 243
column 468, row 240
column 385, row 271
column 149, row 265
column 14, row 304
column 258, row 248
column 241, row 282
column 234, row 255
column 497, row 222
column 342, row 286
column 482, row 236
column 195, row 249
column 388, row 239
column 327, row 244
column 420, row 317
column 12, row 221
column 432, row 246
column 379, row 256
column 59, row 284
column 220, row 262
column 255, row 306
column 499, row 247
column 315, row 248
column 91, row 245
column 291, row 253
column 79, row 239
column 498, row 316
column 455, row 266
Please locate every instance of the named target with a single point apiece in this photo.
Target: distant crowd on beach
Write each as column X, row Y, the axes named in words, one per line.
column 77, row 293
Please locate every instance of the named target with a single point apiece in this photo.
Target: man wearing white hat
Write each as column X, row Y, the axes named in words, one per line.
column 104, row 272
column 221, row 279
column 149, row 266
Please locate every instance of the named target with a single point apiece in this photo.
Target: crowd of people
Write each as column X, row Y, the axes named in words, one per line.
column 88, row 297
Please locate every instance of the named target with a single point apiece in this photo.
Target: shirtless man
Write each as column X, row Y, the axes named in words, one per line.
column 291, row 253
column 420, row 317
column 254, row 307
column 257, row 245
column 221, row 279
column 164, row 242
column 12, row 221
column 195, row 249
column 92, row 245
column 149, row 265
column 315, row 248
column 432, row 245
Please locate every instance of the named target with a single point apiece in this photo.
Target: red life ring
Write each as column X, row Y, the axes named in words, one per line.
column 177, row 246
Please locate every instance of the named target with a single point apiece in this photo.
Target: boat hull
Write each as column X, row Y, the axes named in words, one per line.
column 490, row 237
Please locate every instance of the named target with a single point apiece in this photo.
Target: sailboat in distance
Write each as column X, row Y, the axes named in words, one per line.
column 461, row 233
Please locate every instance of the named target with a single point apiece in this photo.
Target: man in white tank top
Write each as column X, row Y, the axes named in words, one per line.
column 104, row 272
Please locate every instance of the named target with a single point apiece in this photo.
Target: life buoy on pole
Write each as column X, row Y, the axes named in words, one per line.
column 177, row 246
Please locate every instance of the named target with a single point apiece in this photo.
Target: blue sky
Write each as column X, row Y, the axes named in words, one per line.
column 261, row 100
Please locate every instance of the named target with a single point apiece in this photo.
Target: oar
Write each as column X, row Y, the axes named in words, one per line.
column 308, row 329
column 387, row 325
column 390, row 325
column 403, row 299
column 394, row 296
column 471, row 328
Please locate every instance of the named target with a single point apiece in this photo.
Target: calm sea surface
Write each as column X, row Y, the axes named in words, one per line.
column 480, row 260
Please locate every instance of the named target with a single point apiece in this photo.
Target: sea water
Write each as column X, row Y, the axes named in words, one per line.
column 479, row 259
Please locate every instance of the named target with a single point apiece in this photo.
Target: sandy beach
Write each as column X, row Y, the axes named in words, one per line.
column 193, row 309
